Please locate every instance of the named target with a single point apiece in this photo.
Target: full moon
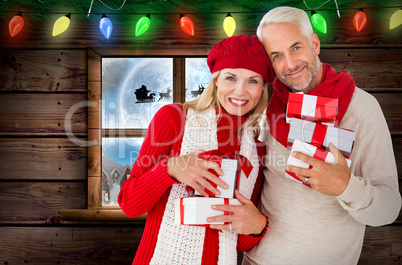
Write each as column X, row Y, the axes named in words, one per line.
column 157, row 75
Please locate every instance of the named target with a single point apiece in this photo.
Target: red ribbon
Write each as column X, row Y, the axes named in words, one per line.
column 181, row 211
column 295, row 105
column 319, row 133
column 226, row 202
column 320, row 154
column 293, row 175
column 217, row 156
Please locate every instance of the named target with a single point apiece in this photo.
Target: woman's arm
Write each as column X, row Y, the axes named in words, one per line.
column 149, row 179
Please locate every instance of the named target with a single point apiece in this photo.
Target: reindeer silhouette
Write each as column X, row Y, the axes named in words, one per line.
column 165, row 95
column 198, row 92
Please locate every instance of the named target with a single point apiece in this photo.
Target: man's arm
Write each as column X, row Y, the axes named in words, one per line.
column 371, row 194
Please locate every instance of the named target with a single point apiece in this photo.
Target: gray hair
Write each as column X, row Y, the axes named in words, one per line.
column 286, row 14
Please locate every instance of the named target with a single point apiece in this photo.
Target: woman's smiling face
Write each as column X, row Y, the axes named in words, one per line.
column 239, row 90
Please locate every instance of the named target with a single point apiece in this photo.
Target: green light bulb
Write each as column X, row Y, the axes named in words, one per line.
column 142, row 25
column 319, row 22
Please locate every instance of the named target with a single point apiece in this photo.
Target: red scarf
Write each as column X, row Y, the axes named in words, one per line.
column 333, row 85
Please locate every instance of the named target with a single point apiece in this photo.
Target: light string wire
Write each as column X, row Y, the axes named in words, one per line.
column 336, row 4
column 90, row 7
column 187, row 13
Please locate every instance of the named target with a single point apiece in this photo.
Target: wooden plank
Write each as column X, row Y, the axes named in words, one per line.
column 100, row 214
column 94, row 152
column 69, row 245
column 42, row 159
column 391, row 107
column 94, row 169
column 94, row 191
column 95, row 104
column 179, row 91
column 397, row 145
column 39, row 202
column 382, row 245
column 43, row 70
column 94, row 66
column 375, row 69
column 43, row 114
column 118, row 244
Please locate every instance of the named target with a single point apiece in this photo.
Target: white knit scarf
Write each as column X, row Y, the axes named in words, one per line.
column 183, row 244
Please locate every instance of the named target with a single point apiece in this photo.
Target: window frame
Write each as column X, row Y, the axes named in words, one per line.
column 95, row 211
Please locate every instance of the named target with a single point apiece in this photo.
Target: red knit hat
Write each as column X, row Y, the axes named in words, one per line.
column 241, row 52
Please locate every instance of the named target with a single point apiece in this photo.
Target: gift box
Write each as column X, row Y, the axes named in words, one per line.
column 312, row 108
column 310, row 150
column 196, row 210
column 321, row 135
column 231, row 166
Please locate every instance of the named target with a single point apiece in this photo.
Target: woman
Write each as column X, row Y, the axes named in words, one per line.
column 224, row 117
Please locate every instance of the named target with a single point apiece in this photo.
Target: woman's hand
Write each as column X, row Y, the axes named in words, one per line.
column 245, row 219
column 191, row 170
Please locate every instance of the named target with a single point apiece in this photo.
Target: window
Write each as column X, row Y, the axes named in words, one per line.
column 133, row 90
column 125, row 90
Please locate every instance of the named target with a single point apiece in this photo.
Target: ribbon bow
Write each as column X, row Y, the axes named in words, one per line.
column 217, row 156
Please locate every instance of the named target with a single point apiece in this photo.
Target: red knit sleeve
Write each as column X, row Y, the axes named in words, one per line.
column 246, row 242
column 149, row 179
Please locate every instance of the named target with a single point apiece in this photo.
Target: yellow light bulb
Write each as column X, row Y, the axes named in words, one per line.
column 61, row 25
column 396, row 19
column 229, row 25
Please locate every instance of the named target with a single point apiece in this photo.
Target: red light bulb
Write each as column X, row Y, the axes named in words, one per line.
column 16, row 24
column 187, row 25
column 359, row 20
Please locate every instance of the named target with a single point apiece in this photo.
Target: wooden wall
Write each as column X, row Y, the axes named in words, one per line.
column 43, row 172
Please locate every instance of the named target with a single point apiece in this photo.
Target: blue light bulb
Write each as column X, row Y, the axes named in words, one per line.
column 105, row 26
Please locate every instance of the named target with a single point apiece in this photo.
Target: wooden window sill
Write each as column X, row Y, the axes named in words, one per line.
column 101, row 214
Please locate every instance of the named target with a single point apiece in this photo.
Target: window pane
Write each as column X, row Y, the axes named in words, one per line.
column 118, row 157
column 198, row 77
column 133, row 90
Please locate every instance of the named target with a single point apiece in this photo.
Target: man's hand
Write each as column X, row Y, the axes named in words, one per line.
column 326, row 178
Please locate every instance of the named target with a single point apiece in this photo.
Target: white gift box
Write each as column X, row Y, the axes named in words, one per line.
column 312, row 151
column 196, row 210
column 230, row 168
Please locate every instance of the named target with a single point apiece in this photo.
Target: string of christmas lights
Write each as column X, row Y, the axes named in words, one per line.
column 16, row 24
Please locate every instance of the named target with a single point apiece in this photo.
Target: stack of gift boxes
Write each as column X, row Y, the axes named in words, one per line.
column 312, row 120
column 195, row 210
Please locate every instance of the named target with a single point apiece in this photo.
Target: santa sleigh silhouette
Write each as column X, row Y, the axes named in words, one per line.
column 142, row 95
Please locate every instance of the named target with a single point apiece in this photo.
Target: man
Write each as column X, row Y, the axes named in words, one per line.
column 323, row 224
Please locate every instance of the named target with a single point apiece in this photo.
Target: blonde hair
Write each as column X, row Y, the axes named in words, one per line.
column 209, row 99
